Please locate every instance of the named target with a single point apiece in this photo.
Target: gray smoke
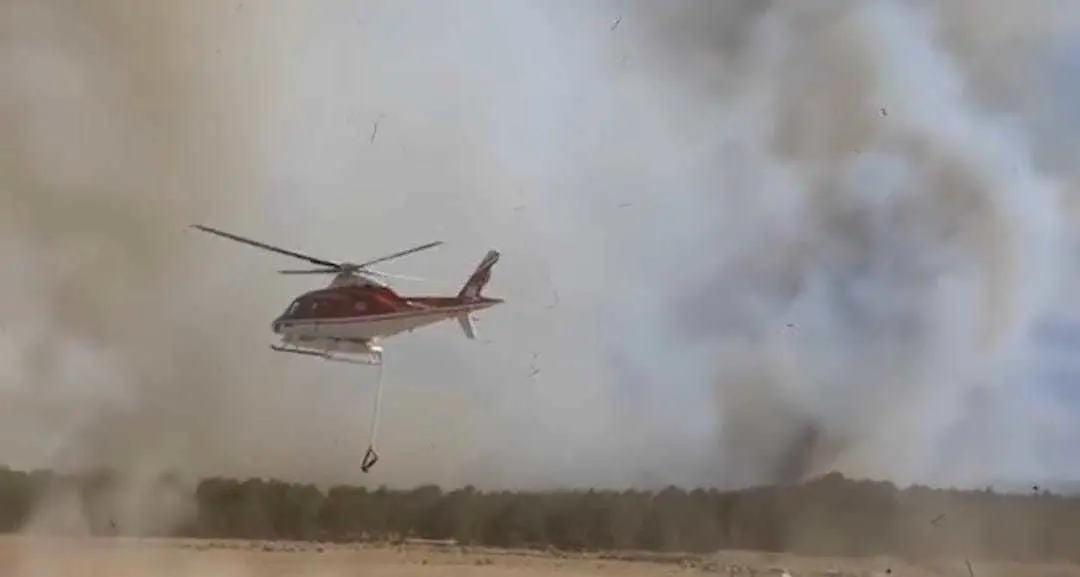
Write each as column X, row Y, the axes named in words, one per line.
column 670, row 193
column 122, row 122
column 886, row 231
column 869, row 173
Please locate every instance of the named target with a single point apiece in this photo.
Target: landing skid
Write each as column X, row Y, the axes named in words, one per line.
column 373, row 357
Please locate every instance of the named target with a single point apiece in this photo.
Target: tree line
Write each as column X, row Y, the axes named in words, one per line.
column 828, row 516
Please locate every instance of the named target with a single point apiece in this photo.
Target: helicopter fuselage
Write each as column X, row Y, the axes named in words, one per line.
column 365, row 313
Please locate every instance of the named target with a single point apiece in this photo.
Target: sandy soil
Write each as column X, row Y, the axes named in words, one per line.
column 39, row 557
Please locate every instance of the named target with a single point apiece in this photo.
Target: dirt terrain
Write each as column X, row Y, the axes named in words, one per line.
column 39, row 557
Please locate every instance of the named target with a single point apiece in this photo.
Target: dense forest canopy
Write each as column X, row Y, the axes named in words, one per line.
column 829, row 516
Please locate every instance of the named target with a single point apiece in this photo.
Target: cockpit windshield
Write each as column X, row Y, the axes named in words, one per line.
column 293, row 308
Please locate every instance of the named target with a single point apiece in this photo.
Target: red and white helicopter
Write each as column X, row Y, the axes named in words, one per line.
column 346, row 320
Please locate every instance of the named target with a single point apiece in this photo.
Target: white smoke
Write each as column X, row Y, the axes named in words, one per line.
column 672, row 186
column 882, row 241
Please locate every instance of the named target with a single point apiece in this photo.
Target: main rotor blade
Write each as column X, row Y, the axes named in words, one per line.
column 270, row 248
column 325, row 270
column 400, row 254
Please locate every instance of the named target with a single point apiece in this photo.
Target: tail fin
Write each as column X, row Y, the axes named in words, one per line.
column 480, row 277
column 467, row 325
column 472, row 288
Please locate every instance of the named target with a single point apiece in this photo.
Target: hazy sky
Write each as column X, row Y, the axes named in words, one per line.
column 723, row 224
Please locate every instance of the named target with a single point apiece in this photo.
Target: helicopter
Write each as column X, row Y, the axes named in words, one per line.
column 346, row 320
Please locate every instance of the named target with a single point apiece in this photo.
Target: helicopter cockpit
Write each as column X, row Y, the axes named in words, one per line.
column 299, row 308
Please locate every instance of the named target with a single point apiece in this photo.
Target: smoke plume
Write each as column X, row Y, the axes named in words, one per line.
column 886, row 232
column 843, row 216
column 123, row 122
column 744, row 241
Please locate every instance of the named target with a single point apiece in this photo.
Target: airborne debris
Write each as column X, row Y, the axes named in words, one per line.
column 375, row 128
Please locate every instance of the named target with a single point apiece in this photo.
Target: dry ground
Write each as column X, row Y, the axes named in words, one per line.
column 40, row 557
